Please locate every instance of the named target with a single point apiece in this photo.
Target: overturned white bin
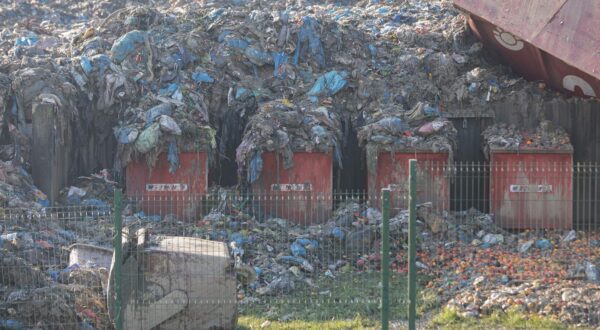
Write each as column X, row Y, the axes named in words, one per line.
column 182, row 283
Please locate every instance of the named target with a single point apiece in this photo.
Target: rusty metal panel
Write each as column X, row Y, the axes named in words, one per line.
column 522, row 56
column 303, row 193
column 525, row 18
column 550, row 40
column 568, row 79
column 532, row 190
column 393, row 172
column 162, row 192
column 572, row 35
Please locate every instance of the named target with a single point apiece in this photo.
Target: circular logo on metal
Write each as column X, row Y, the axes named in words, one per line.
column 570, row 82
column 508, row 40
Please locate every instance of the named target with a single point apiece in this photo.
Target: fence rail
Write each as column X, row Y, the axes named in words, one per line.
column 281, row 251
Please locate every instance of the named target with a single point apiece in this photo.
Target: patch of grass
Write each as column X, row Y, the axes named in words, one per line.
column 347, row 302
column 450, row 319
column 251, row 322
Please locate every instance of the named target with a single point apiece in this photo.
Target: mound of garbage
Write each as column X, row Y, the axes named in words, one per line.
column 282, row 127
column 547, row 136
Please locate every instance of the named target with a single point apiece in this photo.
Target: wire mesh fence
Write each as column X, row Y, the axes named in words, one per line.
column 290, row 249
column 487, row 234
column 44, row 285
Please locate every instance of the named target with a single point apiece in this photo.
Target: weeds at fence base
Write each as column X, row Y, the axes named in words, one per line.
column 451, row 319
column 354, row 299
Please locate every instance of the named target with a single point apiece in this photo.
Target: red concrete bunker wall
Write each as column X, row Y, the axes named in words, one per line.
column 393, row 172
column 532, row 190
column 302, row 194
column 161, row 192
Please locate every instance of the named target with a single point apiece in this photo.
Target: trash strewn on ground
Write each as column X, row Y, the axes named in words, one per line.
column 474, row 266
column 38, row 286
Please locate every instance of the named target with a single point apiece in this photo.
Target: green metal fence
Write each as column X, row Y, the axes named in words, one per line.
column 302, row 255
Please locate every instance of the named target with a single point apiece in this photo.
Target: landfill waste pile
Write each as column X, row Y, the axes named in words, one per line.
column 38, row 287
column 163, row 128
column 547, row 136
column 177, row 76
column 283, row 127
column 151, row 72
column 96, row 190
column 420, row 129
column 17, row 189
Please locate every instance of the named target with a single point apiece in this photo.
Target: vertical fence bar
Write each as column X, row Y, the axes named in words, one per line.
column 385, row 261
column 412, row 246
column 118, row 245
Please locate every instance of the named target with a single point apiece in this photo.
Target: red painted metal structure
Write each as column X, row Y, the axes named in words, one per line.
column 551, row 40
column 532, row 189
column 303, row 193
column 393, row 171
column 162, row 192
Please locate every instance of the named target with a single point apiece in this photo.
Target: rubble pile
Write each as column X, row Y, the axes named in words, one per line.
column 546, row 136
column 282, row 127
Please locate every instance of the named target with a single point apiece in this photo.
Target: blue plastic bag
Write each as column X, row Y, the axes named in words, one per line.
column 173, row 157
column 256, row 166
column 101, row 63
column 126, row 45
column 309, row 40
column 237, row 43
column 86, row 64
column 161, row 109
column 238, row 238
column 338, row 233
column 169, row 90
column 298, row 250
column 126, row 135
column 372, row 50
column 393, row 125
column 293, row 260
column 11, row 324
column 241, row 93
column 26, row 41
column 307, row 243
column 258, row 56
column 279, row 59
column 430, row 111
column 199, row 77
column 328, row 84
column 150, row 218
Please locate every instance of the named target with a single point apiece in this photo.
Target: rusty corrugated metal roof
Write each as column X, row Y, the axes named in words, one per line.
column 565, row 29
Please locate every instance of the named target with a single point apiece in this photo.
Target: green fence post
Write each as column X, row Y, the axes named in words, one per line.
column 385, row 261
column 118, row 246
column 412, row 246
